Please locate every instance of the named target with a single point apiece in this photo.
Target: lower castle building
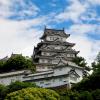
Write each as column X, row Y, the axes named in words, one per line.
column 58, row 76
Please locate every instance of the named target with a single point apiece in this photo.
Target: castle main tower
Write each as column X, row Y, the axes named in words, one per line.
column 53, row 50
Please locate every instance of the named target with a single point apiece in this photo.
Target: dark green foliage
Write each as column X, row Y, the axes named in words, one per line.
column 96, row 94
column 4, row 90
column 73, row 95
column 33, row 94
column 93, row 81
column 98, row 58
column 96, row 65
column 14, row 86
column 80, row 61
column 85, row 96
column 2, row 65
column 16, row 62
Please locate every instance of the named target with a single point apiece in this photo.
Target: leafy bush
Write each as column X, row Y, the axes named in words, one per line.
column 4, row 90
column 33, row 94
column 85, row 96
column 14, row 86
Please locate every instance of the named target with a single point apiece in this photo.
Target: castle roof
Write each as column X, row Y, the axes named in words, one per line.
column 56, row 43
column 52, row 32
column 60, row 51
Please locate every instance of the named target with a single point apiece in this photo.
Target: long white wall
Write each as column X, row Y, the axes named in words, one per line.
column 51, row 78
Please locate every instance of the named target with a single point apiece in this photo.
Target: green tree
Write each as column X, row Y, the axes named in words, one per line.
column 17, row 62
column 92, row 81
column 1, row 65
column 80, row 61
column 33, row 94
column 98, row 58
column 85, row 96
column 96, row 65
column 3, row 91
column 96, row 94
column 14, row 86
column 30, row 65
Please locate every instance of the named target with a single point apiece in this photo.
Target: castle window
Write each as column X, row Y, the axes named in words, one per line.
column 51, row 38
column 71, row 55
column 49, row 61
column 48, row 84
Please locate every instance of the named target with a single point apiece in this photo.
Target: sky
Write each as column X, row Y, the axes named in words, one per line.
column 22, row 23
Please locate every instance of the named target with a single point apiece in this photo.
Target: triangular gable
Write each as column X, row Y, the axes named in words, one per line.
column 73, row 72
column 60, row 63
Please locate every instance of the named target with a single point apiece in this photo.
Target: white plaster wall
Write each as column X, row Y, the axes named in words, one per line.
column 8, row 80
column 55, row 61
column 43, row 61
column 52, row 38
column 79, row 72
column 41, row 68
column 61, row 71
column 53, row 82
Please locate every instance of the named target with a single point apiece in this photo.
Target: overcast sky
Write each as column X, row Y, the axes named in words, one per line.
column 22, row 23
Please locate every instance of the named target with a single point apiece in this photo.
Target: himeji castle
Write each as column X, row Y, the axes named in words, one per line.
column 53, row 59
column 53, row 50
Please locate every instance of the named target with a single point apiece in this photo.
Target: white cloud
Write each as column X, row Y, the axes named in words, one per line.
column 15, row 36
column 72, row 11
column 10, row 8
column 78, row 11
column 94, row 2
column 4, row 8
column 19, row 36
column 88, row 47
column 84, row 29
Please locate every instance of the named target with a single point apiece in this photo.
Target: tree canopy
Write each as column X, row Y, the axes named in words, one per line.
column 92, row 81
column 16, row 62
column 33, row 94
column 14, row 86
column 80, row 61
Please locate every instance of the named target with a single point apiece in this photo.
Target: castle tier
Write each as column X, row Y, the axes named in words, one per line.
column 53, row 50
